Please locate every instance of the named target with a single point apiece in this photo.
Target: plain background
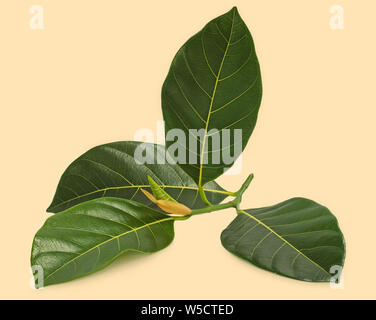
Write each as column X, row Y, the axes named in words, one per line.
column 94, row 75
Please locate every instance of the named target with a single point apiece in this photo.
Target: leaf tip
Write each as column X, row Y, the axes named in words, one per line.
column 234, row 11
column 149, row 195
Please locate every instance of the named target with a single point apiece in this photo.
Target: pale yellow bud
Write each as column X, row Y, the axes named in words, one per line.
column 149, row 196
column 168, row 206
column 173, row 207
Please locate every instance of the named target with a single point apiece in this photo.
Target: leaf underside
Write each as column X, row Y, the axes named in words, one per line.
column 214, row 82
column 110, row 170
column 87, row 237
column 297, row 238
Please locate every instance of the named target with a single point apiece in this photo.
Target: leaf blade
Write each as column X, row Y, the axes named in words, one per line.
column 87, row 237
column 281, row 239
column 214, row 83
column 110, row 170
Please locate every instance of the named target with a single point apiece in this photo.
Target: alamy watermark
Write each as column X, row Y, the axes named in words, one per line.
column 337, row 17
column 337, row 281
column 192, row 146
column 37, row 280
column 37, row 17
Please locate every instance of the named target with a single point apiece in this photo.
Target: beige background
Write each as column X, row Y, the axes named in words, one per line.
column 94, row 75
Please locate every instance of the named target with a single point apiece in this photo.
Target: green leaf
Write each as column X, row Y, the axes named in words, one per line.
column 110, row 170
column 89, row 236
column 214, row 82
column 297, row 238
column 158, row 192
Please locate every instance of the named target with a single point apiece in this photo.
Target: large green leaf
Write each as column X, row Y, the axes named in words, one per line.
column 110, row 170
column 214, row 83
column 297, row 238
column 87, row 237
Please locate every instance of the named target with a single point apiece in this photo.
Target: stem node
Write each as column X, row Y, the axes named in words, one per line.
column 233, row 203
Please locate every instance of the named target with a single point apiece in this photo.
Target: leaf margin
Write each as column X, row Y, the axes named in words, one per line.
column 166, row 218
column 259, row 222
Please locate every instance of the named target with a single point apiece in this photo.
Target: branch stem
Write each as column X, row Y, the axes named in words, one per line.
column 231, row 204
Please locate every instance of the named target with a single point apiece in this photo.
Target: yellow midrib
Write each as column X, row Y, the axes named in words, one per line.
column 212, row 100
column 137, row 186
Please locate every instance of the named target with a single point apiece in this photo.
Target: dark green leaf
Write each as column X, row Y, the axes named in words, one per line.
column 110, row 170
column 214, row 83
column 297, row 238
column 87, row 237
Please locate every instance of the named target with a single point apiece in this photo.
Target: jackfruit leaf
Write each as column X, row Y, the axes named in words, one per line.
column 111, row 170
column 297, row 238
column 213, row 86
column 87, row 237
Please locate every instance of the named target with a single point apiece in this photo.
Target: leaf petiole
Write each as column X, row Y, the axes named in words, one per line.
column 203, row 196
column 231, row 204
column 239, row 193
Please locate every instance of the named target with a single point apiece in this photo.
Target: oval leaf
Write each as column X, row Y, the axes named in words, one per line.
column 110, row 170
column 297, row 238
column 213, row 84
column 87, row 237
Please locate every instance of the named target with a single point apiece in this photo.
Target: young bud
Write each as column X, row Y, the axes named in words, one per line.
column 149, row 196
column 168, row 206
column 173, row 207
